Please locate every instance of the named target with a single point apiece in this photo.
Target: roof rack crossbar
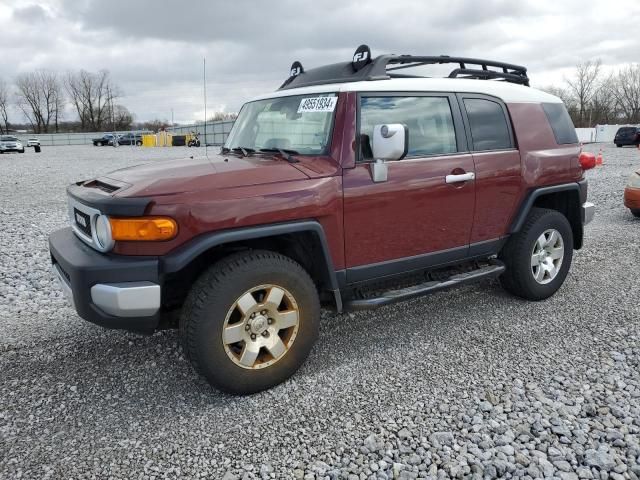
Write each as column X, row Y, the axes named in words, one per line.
column 509, row 72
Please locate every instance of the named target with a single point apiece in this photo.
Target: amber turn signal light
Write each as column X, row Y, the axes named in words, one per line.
column 143, row 229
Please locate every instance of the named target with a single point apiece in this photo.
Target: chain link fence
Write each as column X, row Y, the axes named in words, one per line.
column 216, row 134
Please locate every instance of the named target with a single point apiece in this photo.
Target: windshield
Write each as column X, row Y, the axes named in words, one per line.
column 6, row 138
column 300, row 123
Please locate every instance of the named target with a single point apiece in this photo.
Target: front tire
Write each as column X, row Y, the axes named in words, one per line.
column 250, row 321
column 635, row 212
column 538, row 257
column 618, row 145
column 21, row 151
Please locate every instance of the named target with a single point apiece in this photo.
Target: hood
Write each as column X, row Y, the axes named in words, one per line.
column 191, row 174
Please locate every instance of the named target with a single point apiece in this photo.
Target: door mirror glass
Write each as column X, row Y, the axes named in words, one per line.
column 390, row 141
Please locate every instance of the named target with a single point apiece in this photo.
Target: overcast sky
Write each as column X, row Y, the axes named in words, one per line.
column 154, row 49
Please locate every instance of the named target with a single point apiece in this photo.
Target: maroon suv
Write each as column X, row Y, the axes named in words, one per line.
column 350, row 187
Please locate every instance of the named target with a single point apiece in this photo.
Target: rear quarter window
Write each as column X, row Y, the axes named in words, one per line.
column 561, row 123
column 489, row 128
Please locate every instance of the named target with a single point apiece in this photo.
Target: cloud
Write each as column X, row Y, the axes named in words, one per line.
column 31, row 14
column 154, row 50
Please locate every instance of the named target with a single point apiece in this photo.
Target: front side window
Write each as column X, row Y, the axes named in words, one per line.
column 301, row 123
column 489, row 129
column 428, row 119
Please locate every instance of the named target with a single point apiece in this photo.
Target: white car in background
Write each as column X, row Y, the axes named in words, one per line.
column 32, row 142
column 9, row 143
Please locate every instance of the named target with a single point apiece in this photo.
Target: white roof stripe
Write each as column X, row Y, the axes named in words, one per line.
column 508, row 92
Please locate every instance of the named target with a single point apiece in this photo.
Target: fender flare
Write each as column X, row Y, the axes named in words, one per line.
column 185, row 254
column 527, row 204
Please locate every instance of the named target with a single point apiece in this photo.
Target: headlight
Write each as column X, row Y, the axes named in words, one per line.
column 103, row 233
column 634, row 180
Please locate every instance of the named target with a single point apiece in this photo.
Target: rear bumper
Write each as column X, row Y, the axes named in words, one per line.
column 588, row 212
column 632, row 198
column 108, row 290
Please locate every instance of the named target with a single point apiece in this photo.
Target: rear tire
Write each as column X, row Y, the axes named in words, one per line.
column 538, row 257
column 139, row 143
column 635, row 212
column 618, row 145
column 232, row 332
column 21, row 151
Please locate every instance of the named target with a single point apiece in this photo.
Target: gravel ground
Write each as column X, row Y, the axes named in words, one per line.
column 466, row 383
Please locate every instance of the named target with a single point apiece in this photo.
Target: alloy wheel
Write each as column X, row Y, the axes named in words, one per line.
column 261, row 326
column 547, row 256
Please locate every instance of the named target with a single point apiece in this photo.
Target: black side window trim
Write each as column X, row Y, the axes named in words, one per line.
column 458, row 125
column 467, row 126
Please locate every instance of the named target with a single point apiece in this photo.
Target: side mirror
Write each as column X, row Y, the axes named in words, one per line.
column 390, row 142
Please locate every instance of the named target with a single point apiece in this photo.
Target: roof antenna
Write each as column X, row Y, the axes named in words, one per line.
column 204, row 90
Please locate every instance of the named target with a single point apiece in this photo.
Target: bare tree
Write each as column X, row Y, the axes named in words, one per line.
column 603, row 106
column 40, row 98
column 583, row 86
column 4, row 107
column 92, row 96
column 122, row 118
column 626, row 90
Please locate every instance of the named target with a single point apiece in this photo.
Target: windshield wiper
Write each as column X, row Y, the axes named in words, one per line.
column 285, row 152
column 245, row 151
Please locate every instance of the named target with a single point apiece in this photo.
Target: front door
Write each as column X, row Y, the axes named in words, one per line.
column 422, row 215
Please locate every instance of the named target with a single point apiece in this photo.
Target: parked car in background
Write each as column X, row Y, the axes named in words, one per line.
column 130, row 139
column 632, row 194
column 103, row 141
column 627, row 136
column 9, row 143
column 351, row 187
column 32, row 142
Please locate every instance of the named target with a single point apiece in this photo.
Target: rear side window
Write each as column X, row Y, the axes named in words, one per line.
column 560, row 122
column 489, row 128
column 429, row 120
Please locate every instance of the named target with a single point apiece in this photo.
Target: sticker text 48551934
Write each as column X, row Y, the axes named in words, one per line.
column 317, row 104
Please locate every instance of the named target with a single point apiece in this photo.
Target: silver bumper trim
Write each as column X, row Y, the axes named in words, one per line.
column 588, row 212
column 127, row 299
column 66, row 288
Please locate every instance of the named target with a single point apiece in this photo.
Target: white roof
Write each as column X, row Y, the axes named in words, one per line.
column 508, row 92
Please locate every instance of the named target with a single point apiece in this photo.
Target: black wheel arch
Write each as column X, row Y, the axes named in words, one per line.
column 566, row 198
column 303, row 241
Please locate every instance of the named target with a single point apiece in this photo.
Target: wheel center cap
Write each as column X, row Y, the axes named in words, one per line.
column 258, row 324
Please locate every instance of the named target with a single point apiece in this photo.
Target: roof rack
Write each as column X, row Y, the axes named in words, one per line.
column 364, row 68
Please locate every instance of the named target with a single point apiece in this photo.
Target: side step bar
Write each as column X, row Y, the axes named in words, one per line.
column 392, row 296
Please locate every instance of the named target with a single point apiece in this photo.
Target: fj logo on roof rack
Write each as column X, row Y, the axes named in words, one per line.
column 296, row 69
column 361, row 57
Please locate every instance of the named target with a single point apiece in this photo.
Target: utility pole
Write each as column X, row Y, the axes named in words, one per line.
column 204, row 84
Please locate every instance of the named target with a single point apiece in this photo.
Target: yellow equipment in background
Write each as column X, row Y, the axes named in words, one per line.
column 160, row 139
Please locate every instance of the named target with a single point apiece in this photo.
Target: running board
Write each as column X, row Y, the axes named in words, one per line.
column 392, row 296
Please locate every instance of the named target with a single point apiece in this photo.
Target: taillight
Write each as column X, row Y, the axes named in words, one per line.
column 587, row 160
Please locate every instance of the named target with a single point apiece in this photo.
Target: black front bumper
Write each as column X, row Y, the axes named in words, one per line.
column 81, row 267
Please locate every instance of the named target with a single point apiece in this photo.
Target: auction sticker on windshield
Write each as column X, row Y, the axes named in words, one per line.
column 317, row 104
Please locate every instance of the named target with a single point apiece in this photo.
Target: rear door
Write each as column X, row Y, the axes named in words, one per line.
column 498, row 169
column 415, row 219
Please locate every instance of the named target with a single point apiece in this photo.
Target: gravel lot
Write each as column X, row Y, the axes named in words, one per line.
column 465, row 383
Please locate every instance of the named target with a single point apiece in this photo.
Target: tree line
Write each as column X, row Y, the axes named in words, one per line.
column 595, row 97
column 42, row 97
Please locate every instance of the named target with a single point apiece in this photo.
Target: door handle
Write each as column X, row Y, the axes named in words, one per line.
column 464, row 177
